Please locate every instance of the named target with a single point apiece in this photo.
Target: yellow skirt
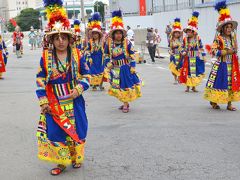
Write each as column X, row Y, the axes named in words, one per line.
column 221, row 97
column 60, row 153
column 127, row 95
column 194, row 81
column 96, row 80
column 173, row 69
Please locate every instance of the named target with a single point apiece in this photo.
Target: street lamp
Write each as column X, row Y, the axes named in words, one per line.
column 40, row 22
column 82, row 11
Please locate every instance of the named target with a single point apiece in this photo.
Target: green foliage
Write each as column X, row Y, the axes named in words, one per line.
column 27, row 18
column 99, row 7
column 10, row 27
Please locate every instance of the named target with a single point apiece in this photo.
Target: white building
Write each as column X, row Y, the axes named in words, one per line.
column 153, row 6
column 16, row 6
column 73, row 8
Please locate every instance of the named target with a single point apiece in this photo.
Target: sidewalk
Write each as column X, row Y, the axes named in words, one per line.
column 164, row 53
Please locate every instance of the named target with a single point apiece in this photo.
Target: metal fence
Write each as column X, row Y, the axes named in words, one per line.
column 172, row 5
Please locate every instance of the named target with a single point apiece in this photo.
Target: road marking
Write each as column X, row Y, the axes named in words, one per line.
column 159, row 67
column 7, row 41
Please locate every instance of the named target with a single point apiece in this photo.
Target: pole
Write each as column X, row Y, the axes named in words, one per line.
column 74, row 9
column 152, row 6
column 82, row 11
column 177, row 4
column 164, row 6
column 193, row 5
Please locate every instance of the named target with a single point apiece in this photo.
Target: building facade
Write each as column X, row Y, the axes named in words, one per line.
column 156, row 6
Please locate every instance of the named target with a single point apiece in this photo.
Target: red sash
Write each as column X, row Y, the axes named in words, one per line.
column 2, row 64
column 184, row 71
column 235, row 74
column 59, row 116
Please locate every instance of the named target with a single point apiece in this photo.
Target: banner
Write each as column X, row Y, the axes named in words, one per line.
column 142, row 7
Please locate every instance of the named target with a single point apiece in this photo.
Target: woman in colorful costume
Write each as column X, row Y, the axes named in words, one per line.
column 120, row 61
column 17, row 41
column 3, row 56
column 223, row 85
column 175, row 49
column 62, row 78
column 95, row 50
column 77, row 30
column 192, row 72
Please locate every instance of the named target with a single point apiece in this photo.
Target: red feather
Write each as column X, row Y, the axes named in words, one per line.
column 117, row 24
column 208, row 47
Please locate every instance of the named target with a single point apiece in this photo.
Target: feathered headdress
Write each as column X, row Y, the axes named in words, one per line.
column 96, row 22
column 76, row 25
column 89, row 25
column 117, row 22
column 177, row 25
column 57, row 17
column 193, row 22
column 224, row 15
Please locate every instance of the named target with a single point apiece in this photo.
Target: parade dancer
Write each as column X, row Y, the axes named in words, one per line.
column 87, row 34
column 96, row 53
column 124, row 82
column 77, row 30
column 175, row 49
column 3, row 56
column 223, row 85
column 17, row 41
column 192, row 72
column 62, row 78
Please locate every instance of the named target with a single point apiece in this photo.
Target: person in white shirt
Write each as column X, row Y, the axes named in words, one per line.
column 130, row 35
column 157, row 43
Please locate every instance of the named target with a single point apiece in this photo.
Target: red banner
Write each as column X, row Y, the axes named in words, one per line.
column 142, row 7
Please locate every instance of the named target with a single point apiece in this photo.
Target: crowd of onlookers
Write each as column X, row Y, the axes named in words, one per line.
column 153, row 41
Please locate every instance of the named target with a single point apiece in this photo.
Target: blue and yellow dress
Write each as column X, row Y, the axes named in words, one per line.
column 223, row 76
column 79, row 44
column 125, row 84
column 54, row 142
column 175, row 56
column 96, row 62
column 192, row 72
column 3, row 56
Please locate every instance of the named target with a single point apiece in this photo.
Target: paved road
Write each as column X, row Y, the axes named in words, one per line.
column 168, row 135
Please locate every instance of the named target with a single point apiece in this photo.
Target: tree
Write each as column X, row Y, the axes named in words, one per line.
column 27, row 18
column 99, row 7
column 10, row 27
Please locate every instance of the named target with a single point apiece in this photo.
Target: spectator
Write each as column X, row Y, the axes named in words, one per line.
column 32, row 38
column 168, row 32
column 150, row 43
column 157, row 43
column 130, row 35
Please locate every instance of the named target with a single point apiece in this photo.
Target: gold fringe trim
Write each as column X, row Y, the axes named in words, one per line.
column 60, row 153
column 128, row 95
column 173, row 69
column 194, row 81
column 96, row 80
column 221, row 97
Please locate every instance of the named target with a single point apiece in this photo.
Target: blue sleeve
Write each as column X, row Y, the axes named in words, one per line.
column 85, row 74
column 202, row 48
column 131, row 54
column 107, row 58
column 41, row 83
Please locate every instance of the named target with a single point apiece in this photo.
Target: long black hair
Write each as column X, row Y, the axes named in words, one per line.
column 69, row 52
